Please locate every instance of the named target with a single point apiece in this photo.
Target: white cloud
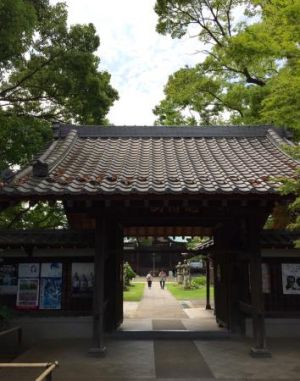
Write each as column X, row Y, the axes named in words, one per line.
column 137, row 57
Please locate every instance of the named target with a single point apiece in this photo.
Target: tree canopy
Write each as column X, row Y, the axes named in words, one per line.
column 48, row 72
column 251, row 51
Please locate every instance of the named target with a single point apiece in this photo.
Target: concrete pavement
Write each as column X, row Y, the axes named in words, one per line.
column 158, row 360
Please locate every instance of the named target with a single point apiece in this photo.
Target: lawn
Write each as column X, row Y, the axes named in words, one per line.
column 134, row 293
column 180, row 293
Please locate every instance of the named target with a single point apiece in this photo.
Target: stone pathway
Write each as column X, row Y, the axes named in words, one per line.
column 158, row 303
column 163, row 360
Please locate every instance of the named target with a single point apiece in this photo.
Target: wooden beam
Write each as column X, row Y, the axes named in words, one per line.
column 98, row 347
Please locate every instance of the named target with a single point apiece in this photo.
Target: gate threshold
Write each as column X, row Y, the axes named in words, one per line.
column 171, row 335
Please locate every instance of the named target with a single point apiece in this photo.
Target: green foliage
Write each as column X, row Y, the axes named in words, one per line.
column 128, row 274
column 291, row 186
column 20, row 138
column 48, row 72
column 23, row 216
column 145, row 241
column 195, row 241
column 198, row 282
column 250, row 73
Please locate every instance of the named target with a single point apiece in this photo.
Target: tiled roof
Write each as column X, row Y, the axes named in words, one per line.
column 268, row 239
column 98, row 160
column 279, row 238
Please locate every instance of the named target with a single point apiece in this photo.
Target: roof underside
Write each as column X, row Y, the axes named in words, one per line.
column 81, row 238
column 94, row 160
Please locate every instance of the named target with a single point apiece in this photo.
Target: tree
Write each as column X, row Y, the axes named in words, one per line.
column 49, row 72
column 292, row 186
column 246, row 64
column 41, row 215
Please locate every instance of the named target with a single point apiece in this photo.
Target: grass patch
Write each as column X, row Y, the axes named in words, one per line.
column 134, row 293
column 181, row 294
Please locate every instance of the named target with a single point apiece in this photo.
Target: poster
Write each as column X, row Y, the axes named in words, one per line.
column 51, row 270
column 290, row 278
column 28, row 293
column 8, row 279
column 29, row 270
column 82, row 279
column 266, row 278
column 50, row 295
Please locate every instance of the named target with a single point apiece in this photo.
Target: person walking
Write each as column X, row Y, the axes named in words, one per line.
column 149, row 279
column 162, row 279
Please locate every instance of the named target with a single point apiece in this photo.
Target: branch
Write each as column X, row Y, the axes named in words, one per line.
column 228, row 17
column 250, row 79
column 28, row 76
column 215, row 18
column 224, row 103
column 199, row 22
column 244, row 72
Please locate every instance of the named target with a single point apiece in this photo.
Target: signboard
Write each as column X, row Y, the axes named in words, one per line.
column 82, row 279
column 51, row 270
column 290, row 278
column 29, row 270
column 50, row 295
column 8, row 279
column 28, row 293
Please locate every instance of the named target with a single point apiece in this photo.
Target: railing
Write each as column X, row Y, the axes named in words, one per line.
column 14, row 329
column 47, row 373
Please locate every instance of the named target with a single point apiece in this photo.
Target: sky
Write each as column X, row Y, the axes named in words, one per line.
column 137, row 57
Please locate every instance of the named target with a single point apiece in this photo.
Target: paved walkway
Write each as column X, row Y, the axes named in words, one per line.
column 158, row 303
column 163, row 360
column 160, row 310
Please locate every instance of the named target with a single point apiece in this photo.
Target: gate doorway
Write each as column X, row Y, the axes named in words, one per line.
column 175, row 307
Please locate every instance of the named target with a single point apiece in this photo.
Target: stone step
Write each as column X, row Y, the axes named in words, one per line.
column 171, row 335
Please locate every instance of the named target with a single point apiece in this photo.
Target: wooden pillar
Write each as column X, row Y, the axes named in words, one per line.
column 259, row 349
column 119, row 275
column 227, row 283
column 208, row 306
column 98, row 346
column 257, row 298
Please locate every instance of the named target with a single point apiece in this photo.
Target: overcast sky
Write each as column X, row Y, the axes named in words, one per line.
column 138, row 59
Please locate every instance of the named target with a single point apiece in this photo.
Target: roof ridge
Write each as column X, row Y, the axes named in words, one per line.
column 66, row 147
column 68, row 143
column 278, row 141
column 96, row 131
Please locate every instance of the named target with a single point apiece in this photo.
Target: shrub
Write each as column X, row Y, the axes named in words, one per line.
column 198, row 282
column 128, row 274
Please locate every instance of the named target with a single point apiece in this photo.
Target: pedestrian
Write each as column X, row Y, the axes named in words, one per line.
column 149, row 279
column 162, row 279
